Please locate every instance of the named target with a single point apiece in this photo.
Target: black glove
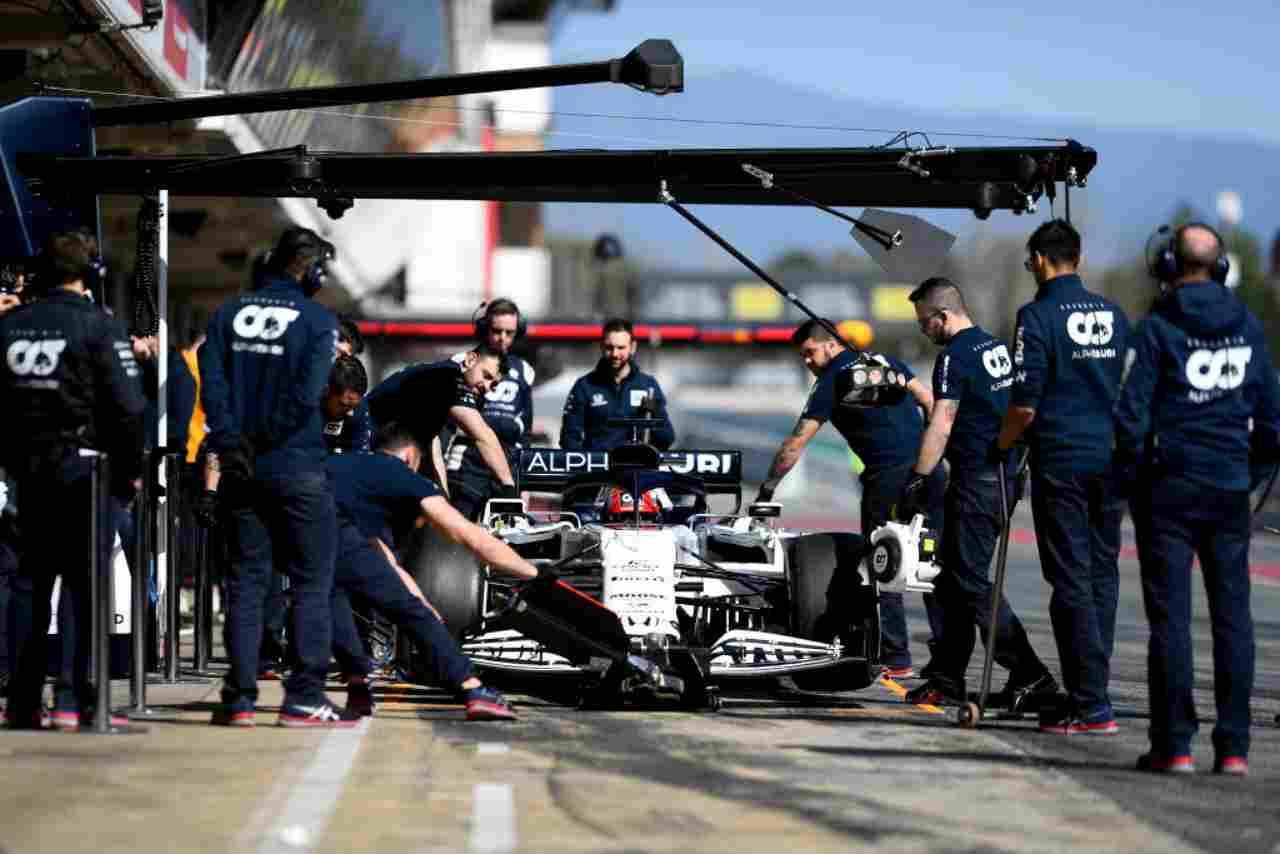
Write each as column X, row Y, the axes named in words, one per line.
column 205, row 509
column 997, row 456
column 650, row 406
column 507, row 490
column 764, row 495
column 913, row 500
column 238, row 460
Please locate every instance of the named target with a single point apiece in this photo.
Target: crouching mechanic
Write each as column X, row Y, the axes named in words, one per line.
column 347, row 426
column 507, row 409
column 379, row 497
column 617, row 388
column 971, row 381
column 886, row 438
column 422, row 398
column 1201, row 372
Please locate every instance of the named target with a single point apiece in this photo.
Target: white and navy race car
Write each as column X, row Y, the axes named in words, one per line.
column 702, row 596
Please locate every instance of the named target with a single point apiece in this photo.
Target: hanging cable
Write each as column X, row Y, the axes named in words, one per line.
column 146, row 317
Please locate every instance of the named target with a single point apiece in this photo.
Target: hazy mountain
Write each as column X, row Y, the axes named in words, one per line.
column 1142, row 175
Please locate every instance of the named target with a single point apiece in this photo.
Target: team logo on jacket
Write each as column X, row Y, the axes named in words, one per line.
column 996, row 361
column 597, row 399
column 263, row 323
column 35, row 358
column 1213, row 370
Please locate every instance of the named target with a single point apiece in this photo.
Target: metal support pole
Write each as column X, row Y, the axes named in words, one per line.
column 203, row 611
column 100, row 588
column 174, row 579
column 138, row 621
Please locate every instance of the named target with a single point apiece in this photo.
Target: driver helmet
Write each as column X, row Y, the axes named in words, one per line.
column 620, row 505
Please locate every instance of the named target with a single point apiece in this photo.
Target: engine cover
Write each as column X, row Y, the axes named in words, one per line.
column 639, row 579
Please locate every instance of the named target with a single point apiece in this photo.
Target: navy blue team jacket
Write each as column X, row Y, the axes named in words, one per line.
column 1068, row 355
column 881, row 436
column 975, row 370
column 595, row 398
column 263, row 372
column 352, row 434
column 508, row 410
column 419, row 397
column 1201, row 370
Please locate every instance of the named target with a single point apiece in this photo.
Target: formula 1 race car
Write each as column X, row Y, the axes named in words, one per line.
column 650, row 593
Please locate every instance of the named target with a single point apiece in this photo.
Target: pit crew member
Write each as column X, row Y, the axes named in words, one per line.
column 379, row 496
column 70, row 376
column 1068, row 356
column 1201, row 371
column 423, row 397
column 886, row 438
column 971, row 380
column 263, row 368
column 347, row 426
column 617, row 388
column 507, row 409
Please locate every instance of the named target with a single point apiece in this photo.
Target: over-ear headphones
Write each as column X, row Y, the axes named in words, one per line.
column 483, row 316
column 292, row 243
column 1166, row 264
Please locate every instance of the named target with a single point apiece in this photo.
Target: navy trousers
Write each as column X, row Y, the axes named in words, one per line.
column 288, row 522
column 1077, row 520
column 965, row 587
column 364, row 577
column 54, row 522
column 1178, row 521
column 881, row 489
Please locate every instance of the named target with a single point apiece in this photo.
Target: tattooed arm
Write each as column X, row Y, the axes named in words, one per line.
column 788, row 455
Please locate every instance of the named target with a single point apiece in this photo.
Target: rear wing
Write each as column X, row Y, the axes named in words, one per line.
column 549, row 469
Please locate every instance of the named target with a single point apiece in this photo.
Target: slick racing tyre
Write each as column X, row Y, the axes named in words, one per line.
column 450, row 578
column 830, row 602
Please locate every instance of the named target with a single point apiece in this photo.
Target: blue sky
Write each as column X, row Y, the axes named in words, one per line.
column 1202, row 68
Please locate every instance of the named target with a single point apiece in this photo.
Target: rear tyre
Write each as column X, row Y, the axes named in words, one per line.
column 829, row 602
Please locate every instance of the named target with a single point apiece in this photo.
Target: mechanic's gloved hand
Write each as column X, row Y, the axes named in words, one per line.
column 238, row 460
column 997, row 455
column 650, row 406
column 912, row 499
column 765, row 494
column 507, row 490
column 205, row 509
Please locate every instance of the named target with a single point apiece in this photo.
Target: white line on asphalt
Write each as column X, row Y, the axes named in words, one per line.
column 493, row 819
column 310, row 800
column 486, row 748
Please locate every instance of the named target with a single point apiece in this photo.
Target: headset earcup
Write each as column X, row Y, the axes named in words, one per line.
column 1165, row 265
column 1221, row 268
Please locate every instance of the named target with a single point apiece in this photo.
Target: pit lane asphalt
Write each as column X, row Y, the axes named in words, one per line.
column 768, row 773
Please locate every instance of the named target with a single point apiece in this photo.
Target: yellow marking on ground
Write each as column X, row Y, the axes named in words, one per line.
column 391, row 704
column 902, row 692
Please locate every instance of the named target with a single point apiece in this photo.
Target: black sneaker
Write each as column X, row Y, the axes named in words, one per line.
column 1020, row 696
column 936, row 692
column 322, row 716
column 360, row 699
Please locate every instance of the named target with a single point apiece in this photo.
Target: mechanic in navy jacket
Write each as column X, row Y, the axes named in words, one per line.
column 617, row 388
column 1068, row 356
column 886, row 439
column 348, row 429
column 1201, row 372
column 379, row 497
column 507, row 409
column 424, row 397
column 971, row 380
column 264, row 367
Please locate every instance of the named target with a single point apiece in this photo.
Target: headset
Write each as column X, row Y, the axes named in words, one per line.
column 1165, row 264
column 293, row 242
column 484, row 314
